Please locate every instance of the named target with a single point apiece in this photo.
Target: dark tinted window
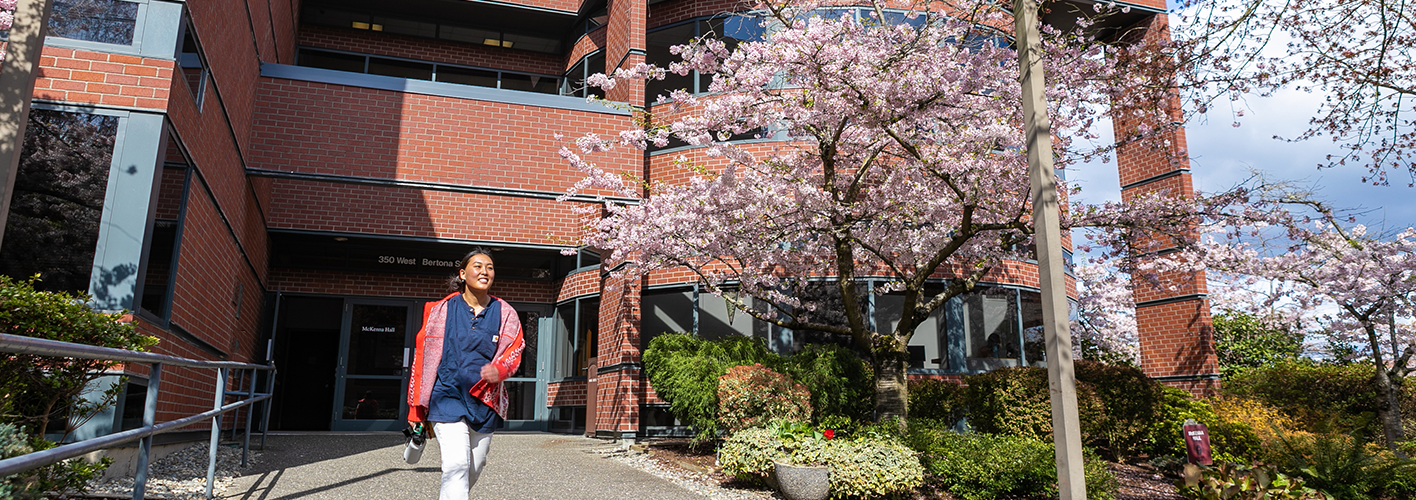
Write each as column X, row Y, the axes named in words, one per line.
column 467, row 76
column 58, row 200
column 529, row 83
column 331, row 60
column 106, row 21
column 401, row 69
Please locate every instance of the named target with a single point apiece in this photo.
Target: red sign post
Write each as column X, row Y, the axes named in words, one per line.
column 1197, row 443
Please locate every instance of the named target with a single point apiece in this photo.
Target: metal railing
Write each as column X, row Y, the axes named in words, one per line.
column 26, row 345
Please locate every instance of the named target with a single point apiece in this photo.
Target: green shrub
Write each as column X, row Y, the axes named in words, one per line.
column 936, row 400
column 1229, row 441
column 1130, row 404
column 977, row 466
column 839, row 381
column 870, row 468
column 1321, row 397
column 1231, row 482
column 1016, row 402
column 1343, row 466
column 684, row 371
column 1243, row 342
column 12, row 444
column 753, row 396
column 748, row 454
column 38, row 390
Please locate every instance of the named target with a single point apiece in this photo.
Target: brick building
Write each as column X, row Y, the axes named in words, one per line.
column 292, row 180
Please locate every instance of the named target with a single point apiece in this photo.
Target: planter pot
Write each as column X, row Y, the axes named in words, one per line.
column 803, row 483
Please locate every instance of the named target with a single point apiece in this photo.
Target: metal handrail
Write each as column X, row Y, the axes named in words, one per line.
column 27, row 345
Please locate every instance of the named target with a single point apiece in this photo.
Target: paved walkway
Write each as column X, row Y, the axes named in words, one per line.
column 521, row 466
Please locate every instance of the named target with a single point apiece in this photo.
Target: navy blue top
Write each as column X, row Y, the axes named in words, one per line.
column 467, row 347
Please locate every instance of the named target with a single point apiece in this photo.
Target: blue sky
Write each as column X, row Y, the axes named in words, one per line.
column 1222, row 155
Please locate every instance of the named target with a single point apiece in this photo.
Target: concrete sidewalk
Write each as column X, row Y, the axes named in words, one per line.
column 520, row 466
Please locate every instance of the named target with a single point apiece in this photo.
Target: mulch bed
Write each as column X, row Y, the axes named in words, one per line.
column 1138, row 482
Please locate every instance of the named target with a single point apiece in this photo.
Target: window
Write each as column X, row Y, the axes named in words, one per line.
column 665, row 312
column 574, row 82
column 165, row 233
column 58, row 200
column 425, row 70
column 732, row 29
column 400, row 68
column 193, row 63
column 577, row 337
column 103, row 21
column 476, row 35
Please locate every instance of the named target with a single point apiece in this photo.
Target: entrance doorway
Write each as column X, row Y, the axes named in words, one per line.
column 343, row 363
column 374, row 355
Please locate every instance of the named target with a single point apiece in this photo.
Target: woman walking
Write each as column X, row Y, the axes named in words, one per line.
column 470, row 342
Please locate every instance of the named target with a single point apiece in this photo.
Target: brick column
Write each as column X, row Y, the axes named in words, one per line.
column 1172, row 319
column 624, row 47
column 621, row 384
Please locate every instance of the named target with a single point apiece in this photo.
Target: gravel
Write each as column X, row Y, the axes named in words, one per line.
column 697, row 482
column 181, row 475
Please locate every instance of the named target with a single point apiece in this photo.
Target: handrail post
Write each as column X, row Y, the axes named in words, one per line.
column 215, row 429
column 149, row 418
column 270, row 391
column 250, row 411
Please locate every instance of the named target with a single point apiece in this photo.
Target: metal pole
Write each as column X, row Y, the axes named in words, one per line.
column 215, row 430
column 17, row 71
column 270, row 391
column 250, row 411
column 149, row 418
column 1062, row 384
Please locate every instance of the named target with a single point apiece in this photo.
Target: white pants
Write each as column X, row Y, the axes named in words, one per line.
column 464, row 455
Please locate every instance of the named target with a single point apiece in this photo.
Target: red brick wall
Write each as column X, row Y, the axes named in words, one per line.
column 273, row 26
column 372, row 42
column 593, row 41
column 577, row 285
column 397, row 285
column 673, row 11
column 565, row 393
column 88, row 77
column 1176, row 337
column 210, row 275
column 321, row 128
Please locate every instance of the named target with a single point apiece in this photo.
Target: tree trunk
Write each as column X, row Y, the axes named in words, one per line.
column 1388, row 409
column 891, row 388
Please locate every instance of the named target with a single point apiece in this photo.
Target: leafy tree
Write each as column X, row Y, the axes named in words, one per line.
column 906, row 159
column 37, row 391
column 1243, row 341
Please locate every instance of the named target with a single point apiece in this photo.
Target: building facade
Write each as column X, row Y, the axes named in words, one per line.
column 292, row 180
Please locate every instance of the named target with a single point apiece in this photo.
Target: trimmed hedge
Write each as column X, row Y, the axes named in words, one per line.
column 936, row 400
column 1321, row 397
column 1118, row 405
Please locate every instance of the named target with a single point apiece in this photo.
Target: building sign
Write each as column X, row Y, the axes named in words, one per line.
column 378, row 329
column 416, row 261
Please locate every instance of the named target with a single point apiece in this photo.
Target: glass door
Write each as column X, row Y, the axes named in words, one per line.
column 374, row 353
column 526, row 389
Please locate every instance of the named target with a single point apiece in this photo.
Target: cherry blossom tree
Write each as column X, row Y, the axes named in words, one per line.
column 1104, row 328
column 1369, row 278
column 901, row 155
column 1357, row 53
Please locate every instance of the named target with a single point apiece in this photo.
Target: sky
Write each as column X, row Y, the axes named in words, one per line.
column 1222, row 155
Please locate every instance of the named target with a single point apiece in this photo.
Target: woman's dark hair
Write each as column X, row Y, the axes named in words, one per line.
column 455, row 282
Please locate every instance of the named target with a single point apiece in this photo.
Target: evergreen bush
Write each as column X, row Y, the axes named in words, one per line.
column 36, row 391
column 1321, row 397
column 684, row 371
column 1230, row 441
column 978, row 466
column 748, row 454
column 936, row 400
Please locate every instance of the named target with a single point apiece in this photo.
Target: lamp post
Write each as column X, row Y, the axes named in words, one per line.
column 1062, row 383
column 17, row 72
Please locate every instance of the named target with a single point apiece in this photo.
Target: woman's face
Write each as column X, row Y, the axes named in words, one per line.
column 479, row 273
